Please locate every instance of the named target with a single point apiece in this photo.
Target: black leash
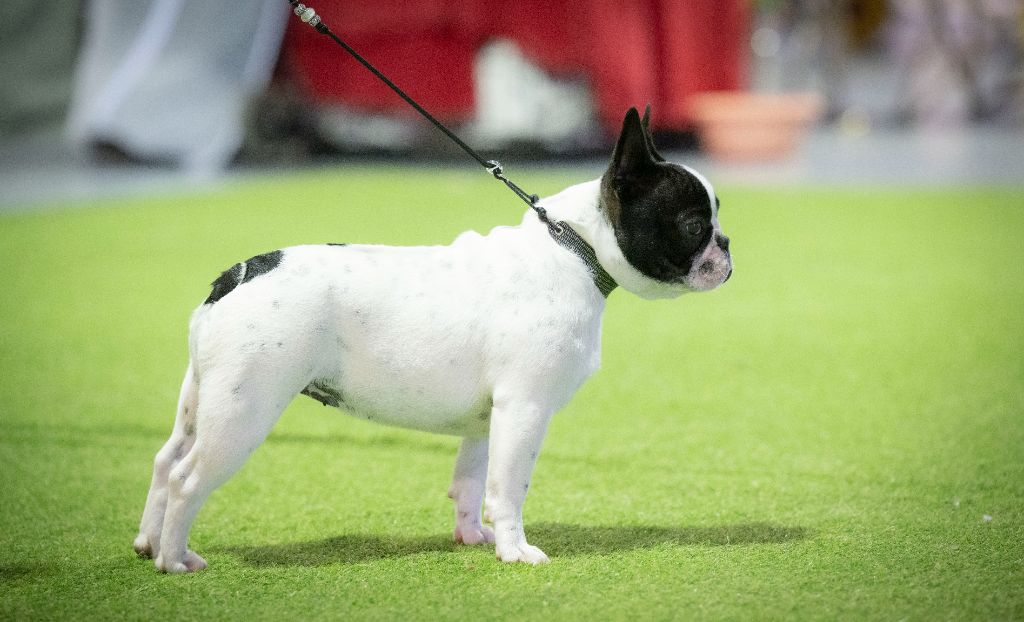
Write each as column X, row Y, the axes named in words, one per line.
column 561, row 232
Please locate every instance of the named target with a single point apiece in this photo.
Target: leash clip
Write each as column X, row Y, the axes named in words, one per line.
column 543, row 215
column 494, row 168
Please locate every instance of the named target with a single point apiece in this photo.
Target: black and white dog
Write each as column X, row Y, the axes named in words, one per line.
column 485, row 339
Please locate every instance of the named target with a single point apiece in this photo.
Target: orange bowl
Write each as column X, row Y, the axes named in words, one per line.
column 744, row 126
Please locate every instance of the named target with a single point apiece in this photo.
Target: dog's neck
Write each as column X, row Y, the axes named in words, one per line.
column 568, row 238
column 579, row 207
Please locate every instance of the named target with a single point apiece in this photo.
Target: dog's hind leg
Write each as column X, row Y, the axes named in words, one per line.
column 467, row 491
column 147, row 543
column 234, row 417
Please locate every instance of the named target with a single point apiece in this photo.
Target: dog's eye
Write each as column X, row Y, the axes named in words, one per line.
column 694, row 228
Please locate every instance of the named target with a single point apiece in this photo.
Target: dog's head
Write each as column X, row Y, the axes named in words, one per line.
column 664, row 217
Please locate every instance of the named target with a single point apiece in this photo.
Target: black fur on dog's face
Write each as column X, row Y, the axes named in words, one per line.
column 665, row 216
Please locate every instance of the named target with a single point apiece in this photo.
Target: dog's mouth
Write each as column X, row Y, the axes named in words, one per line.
column 674, row 272
column 710, row 272
column 703, row 274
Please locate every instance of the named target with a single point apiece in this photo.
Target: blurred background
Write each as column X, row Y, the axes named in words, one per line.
column 106, row 97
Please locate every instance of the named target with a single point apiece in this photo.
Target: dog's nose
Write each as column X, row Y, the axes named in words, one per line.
column 723, row 242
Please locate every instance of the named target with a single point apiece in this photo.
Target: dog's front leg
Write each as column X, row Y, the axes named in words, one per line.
column 517, row 432
column 468, row 492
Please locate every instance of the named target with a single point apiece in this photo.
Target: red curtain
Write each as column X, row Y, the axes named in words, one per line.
column 631, row 53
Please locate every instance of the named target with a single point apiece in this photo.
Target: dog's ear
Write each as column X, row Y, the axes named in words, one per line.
column 646, row 122
column 632, row 156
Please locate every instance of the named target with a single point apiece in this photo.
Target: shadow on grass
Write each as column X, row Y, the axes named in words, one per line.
column 81, row 435
column 555, row 538
column 11, row 573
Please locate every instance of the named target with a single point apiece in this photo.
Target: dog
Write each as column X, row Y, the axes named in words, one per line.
column 485, row 339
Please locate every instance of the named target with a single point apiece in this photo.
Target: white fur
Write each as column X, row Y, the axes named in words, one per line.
column 707, row 186
column 485, row 338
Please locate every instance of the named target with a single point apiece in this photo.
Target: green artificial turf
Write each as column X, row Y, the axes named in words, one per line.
column 836, row 433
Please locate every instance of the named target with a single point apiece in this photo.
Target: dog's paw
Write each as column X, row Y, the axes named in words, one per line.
column 192, row 562
column 142, row 546
column 522, row 552
column 474, row 534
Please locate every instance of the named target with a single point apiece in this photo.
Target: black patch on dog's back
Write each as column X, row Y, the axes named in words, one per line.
column 224, row 284
column 261, row 264
column 243, row 273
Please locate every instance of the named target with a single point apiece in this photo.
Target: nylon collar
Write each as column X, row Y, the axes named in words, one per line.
column 567, row 237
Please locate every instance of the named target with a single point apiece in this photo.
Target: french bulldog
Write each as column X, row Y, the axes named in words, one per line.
column 485, row 339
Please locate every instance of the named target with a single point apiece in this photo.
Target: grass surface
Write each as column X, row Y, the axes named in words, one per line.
column 836, row 433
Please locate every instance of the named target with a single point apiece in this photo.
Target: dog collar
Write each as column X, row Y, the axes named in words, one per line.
column 568, row 238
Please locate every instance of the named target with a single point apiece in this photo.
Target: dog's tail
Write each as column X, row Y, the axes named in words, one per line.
column 188, row 400
column 196, row 324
